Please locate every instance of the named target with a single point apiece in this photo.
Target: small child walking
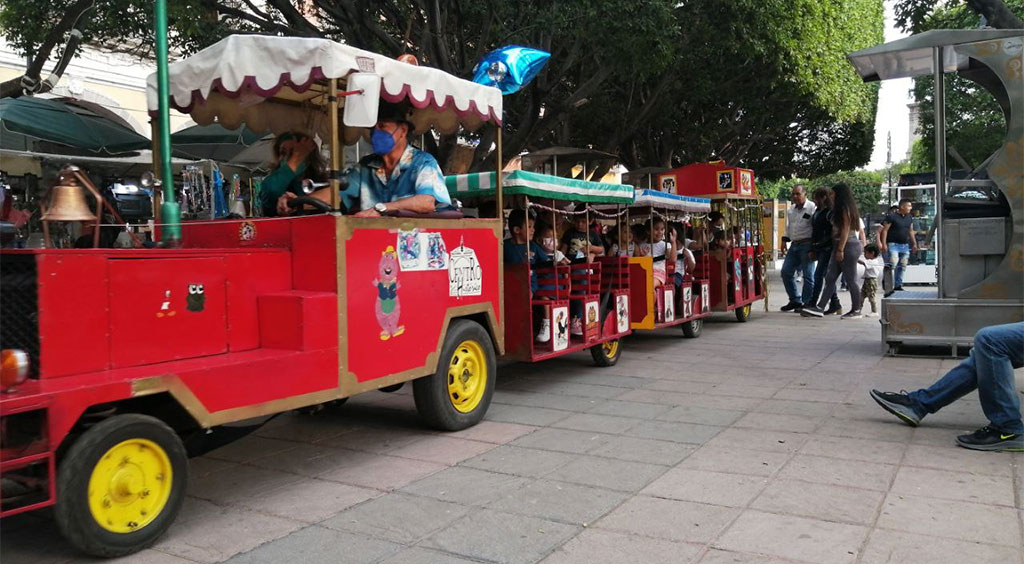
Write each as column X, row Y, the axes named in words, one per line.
column 873, row 266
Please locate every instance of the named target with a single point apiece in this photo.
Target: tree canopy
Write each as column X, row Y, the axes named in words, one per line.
column 761, row 83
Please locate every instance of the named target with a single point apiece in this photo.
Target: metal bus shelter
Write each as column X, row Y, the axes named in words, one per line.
column 980, row 254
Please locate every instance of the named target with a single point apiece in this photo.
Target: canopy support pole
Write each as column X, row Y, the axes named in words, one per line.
column 940, row 153
column 337, row 152
column 170, row 211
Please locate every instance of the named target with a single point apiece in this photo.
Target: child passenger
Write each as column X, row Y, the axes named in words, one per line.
column 580, row 244
column 873, row 267
column 544, row 235
column 521, row 249
column 661, row 250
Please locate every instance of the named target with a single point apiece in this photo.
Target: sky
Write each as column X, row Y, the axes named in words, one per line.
column 893, row 116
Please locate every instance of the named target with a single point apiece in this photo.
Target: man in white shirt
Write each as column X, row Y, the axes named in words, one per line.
column 798, row 236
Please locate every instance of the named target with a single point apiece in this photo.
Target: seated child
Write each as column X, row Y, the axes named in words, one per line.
column 661, row 250
column 580, row 244
column 544, row 235
column 520, row 249
column 873, row 267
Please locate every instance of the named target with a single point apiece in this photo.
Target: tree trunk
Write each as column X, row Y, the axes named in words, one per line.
column 996, row 13
column 14, row 87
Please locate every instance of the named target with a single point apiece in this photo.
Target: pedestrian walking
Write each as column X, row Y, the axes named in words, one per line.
column 798, row 236
column 847, row 233
column 897, row 240
column 997, row 350
column 821, row 248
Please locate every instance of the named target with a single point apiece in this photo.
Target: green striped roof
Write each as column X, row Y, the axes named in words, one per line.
column 538, row 185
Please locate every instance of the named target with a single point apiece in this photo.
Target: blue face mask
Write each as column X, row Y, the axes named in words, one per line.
column 382, row 142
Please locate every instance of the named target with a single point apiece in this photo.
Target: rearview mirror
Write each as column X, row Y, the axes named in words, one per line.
column 361, row 108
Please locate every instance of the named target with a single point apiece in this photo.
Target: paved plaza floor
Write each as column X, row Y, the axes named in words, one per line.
column 755, row 443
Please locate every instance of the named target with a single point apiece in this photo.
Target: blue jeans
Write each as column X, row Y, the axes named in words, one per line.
column 989, row 369
column 899, row 254
column 797, row 258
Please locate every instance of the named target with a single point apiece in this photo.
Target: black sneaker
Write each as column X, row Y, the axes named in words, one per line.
column 992, row 439
column 811, row 312
column 834, row 310
column 791, row 306
column 899, row 405
column 898, row 289
column 852, row 315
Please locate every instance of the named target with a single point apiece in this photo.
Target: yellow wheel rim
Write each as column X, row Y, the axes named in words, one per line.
column 610, row 348
column 746, row 310
column 130, row 486
column 467, row 376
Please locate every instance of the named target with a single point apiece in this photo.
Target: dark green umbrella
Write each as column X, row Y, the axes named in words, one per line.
column 213, row 142
column 67, row 124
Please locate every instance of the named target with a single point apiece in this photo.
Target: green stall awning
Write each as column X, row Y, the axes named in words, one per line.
column 534, row 184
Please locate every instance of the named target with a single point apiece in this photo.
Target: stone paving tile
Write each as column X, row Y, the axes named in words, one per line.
column 804, row 394
column 519, row 461
column 397, row 517
column 743, row 391
column 669, row 519
column 306, row 429
column 522, row 415
column 560, row 501
column 608, row 473
column 850, row 473
column 607, row 547
column 251, row 448
column 651, row 451
column 991, row 490
column 717, row 488
column 882, row 429
column 790, row 407
column 674, row 432
column 417, row 555
column 501, row 537
column 885, row 547
column 466, row 486
column 961, row 460
column 682, row 386
column 736, row 460
column 596, row 423
column 759, row 439
column 797, row 538
column 779, row 422
column 309, row 460
column 717, row 556
column 950, row 519
column 493, row 432
column 547, row 400
column 701, row 415
column 637, row 410
column 821, row 501
column 379, row 471
column 309, row 500
column 316, row 545
column 202, row 466
column 563, row 440
column 441, row 449
column 854, row 449
column 239, row 483
column 378, row 439
column 207, row 533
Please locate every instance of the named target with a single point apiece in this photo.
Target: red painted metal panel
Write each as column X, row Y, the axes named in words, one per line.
column 384, row 336
column 299, row 320
column 518, row 313
column 315, row 254
column 73, row 317
column 248, row 276
column 166, row 309
column 242, row 233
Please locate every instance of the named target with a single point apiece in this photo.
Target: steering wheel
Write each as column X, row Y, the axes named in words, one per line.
column 319, row 206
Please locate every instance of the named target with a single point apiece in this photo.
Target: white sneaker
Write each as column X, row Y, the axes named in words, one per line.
column 545, row 331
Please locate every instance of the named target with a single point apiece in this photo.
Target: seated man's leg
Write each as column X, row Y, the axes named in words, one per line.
column 997, row 350
column 912, row 407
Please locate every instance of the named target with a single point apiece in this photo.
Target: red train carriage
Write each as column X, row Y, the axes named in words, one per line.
column 597, row 290
column 736, row 268
column 115, row 358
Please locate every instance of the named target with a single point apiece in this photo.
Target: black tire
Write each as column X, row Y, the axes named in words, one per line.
column 693, row 328
column 743, row 313
column 392, row 388
column 72, row 511
column 607, row 353
column 433, row 398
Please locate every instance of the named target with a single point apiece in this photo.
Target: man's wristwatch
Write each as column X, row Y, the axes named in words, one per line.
column 380, row 207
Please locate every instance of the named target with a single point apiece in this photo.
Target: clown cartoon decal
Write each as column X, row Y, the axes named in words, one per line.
column 561, row 317
column 196, row 298
column 687, row 301
column 387, row 308
column 622, row 310
column 670, row 310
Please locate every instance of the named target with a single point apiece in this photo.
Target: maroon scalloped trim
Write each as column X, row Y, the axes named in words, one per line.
column 317, row 74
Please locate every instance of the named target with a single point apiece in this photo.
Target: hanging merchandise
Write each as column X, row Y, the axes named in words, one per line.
column 237, row 199
column 510, row 68
column 220, row 206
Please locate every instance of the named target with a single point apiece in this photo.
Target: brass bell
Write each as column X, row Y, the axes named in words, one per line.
column 67, row 202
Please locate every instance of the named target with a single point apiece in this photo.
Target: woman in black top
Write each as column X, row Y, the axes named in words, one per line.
column 846, row 232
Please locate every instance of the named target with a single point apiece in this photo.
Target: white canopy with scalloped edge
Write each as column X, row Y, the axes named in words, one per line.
column 278, row 84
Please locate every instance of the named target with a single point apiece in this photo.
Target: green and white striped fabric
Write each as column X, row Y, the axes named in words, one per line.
column 538, row 185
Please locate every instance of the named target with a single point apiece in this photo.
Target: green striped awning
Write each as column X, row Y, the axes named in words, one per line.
column 538, row 185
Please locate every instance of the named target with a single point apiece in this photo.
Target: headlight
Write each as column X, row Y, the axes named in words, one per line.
column 13, row 368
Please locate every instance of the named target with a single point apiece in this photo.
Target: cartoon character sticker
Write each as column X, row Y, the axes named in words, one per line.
column 705, row 304
column 622, row 310
column 667, row 183
column 592, row 311
column 687, row 302
column 746, row 182
column 196, row 298
column 409, row 249
column 419, row 251
column 750, row 271
column 165, row 307
column 561, row 326
column 247, row 231
column 725, row 181
column 465, row 277
column 387, row 308
column 737, row 274
column 437, row 254
column 670, row 310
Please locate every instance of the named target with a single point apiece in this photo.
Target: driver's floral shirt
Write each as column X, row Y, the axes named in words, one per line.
column 417, row 173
